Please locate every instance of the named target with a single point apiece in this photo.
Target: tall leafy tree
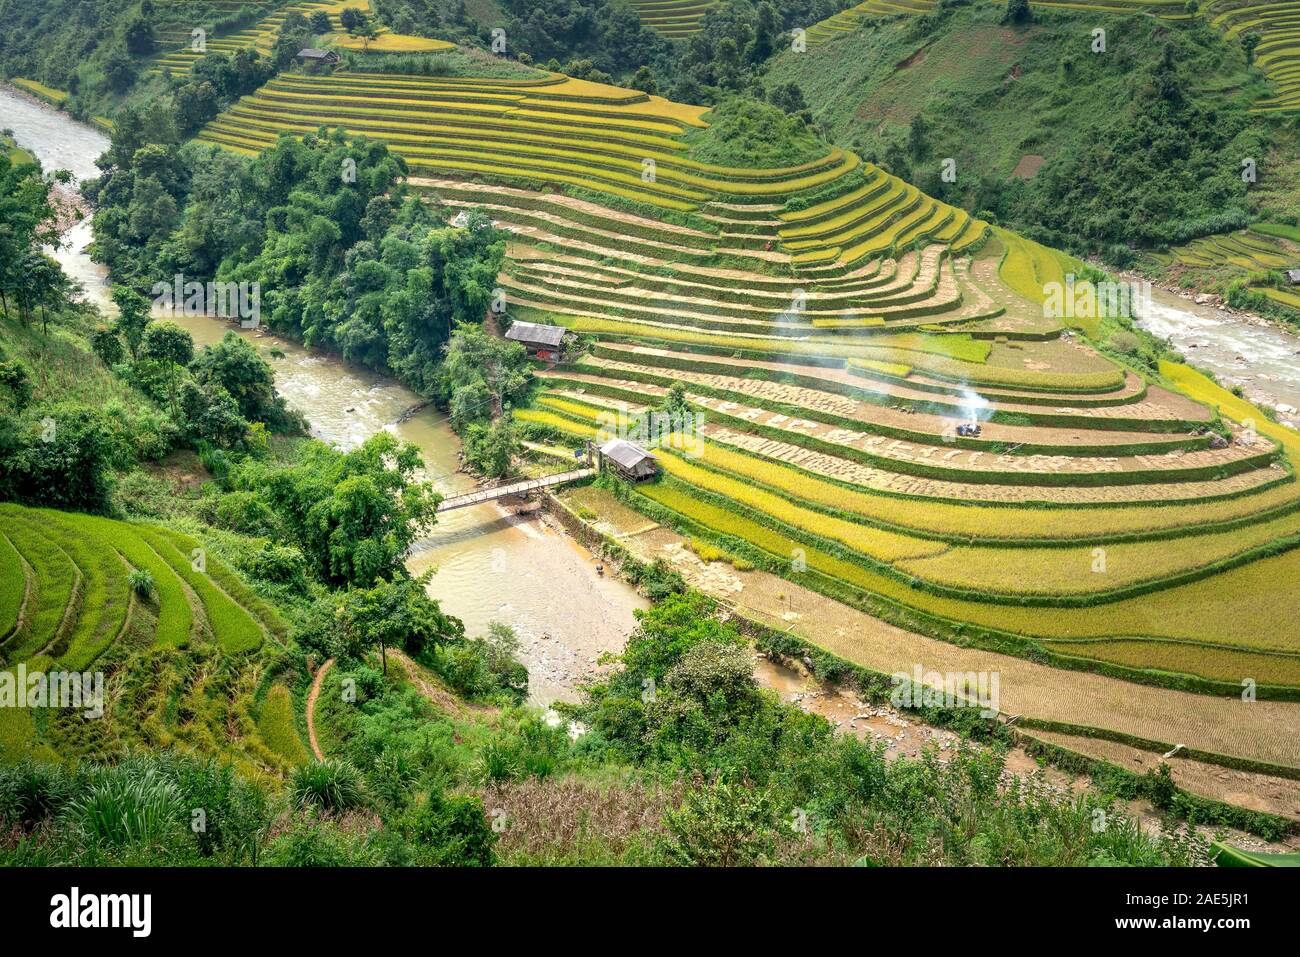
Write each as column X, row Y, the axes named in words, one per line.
column 392, row 614
column 170, row 346
column 235, row 365
column 132, row 317
column 354, row 514
column 26, row 224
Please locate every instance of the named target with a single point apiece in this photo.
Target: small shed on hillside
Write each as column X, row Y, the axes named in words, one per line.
column 628, row 460
column 541, row 341
column 1293, row 276
column 313, row 55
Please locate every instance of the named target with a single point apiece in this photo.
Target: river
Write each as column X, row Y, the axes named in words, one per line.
column 494, row 566
column 1259, row 356
column 490, row 564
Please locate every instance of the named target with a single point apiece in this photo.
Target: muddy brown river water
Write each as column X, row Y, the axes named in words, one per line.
column 490, row 565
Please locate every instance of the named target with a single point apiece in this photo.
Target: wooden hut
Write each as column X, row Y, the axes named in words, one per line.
column 540, row 341
column 317, row 57
column 630, row 461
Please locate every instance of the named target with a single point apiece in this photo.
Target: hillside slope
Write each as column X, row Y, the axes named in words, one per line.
column 834, row 325
column 1080, row 149
column 176, row 635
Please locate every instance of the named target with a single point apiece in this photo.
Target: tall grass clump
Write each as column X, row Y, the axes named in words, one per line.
column 333, row 786
column 122, row 809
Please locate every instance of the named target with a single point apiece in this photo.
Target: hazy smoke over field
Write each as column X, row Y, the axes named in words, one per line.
column 974, row 406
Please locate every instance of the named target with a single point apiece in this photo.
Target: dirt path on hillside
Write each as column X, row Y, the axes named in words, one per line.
column 311, row 709
column 441, row 698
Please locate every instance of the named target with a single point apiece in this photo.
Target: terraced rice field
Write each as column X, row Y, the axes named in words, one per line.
column 40, row 90
column 389, row 42
column 1278, row 53
column 1241, row 253
column 174, row 19
column 260, row 36
column 465, row 138
column 1276, row 22
column 846, row 21
column 675, row 19
column 67, row 605
column 1165, row 9
column 1069, row 525
column 834, row 326
column 1245, row 254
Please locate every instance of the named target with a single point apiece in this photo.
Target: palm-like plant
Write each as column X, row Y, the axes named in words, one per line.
column 329, row 785
column 141, row 582
column 122, row 809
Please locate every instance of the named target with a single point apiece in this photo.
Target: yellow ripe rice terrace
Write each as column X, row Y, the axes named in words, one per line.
column 834, row 327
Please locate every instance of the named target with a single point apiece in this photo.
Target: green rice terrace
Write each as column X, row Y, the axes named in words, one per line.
column 675, row 19
column 1277, row 26
column 178, row 43
column 178, row 634
column 834, row 326
column 1248, row 256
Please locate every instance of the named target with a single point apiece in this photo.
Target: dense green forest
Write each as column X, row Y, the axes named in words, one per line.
column 345, row 259
column 676, row 756
column 1142, row 168
column 1139, row 145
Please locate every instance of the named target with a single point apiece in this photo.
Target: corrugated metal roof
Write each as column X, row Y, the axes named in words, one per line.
column 536, row 334
column 625, row 453
column 314, row 53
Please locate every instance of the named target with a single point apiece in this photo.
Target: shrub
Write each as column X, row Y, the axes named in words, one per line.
column 31, row 792
column 61, row 461
column 282, row 565
column 482, row 667
column 1018, row 12
column 313, row 845
column 141, row 582
column 244, row 512
column 658, row 580
column 1120, row 256
column 128, row 809
column 14, row 377
column 721, row 825
column 496, row 762
column 452, row 831
column 1125, row 342
column 333, row 786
